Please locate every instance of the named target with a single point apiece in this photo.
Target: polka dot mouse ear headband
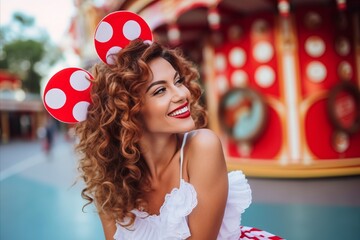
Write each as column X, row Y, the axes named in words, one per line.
column 67, row 93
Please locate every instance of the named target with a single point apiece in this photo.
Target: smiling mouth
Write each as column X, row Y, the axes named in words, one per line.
column 182, row 112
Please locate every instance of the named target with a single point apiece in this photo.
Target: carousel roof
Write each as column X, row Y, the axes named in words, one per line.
column 196, row 17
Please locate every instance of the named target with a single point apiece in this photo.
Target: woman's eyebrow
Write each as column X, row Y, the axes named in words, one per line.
column 159, row 82
column 155, row 83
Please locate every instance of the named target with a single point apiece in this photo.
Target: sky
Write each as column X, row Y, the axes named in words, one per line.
column 52, row 15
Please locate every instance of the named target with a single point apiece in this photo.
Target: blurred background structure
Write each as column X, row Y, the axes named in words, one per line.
column 281, row 83
column 281, row 78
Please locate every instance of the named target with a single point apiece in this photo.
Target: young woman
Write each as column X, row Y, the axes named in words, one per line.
column 150, row 168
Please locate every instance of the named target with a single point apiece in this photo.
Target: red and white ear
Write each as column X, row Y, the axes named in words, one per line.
column 116, row 30
column 67, row 95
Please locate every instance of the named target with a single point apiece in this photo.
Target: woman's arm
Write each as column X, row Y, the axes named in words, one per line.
column 108, row 226
column 207, row 172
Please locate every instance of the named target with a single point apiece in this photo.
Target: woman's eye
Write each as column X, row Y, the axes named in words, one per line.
column 158, row 91
column 180, row 81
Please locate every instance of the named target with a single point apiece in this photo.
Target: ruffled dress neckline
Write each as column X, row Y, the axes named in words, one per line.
column 171, row 222
column 188, row 188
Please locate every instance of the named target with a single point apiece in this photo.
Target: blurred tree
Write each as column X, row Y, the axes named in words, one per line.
column 27, row 51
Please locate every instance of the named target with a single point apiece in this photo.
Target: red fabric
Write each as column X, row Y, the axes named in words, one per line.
column 256, row 234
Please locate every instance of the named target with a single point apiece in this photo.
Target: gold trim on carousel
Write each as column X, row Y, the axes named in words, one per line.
column 209, row 85
column 319, row 163
column 280, row 45
column 310, row 100
column 286, row 45
column 304, row 150
column 262, row 168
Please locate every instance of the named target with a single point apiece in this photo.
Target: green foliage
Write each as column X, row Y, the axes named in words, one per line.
column 24, row 53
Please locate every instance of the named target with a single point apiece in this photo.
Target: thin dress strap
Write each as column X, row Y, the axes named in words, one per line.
column 182, row 154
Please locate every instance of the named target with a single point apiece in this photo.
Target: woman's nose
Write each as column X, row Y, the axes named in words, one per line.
column 179, row 93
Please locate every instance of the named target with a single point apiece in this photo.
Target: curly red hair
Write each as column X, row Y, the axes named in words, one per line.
column 111, row 163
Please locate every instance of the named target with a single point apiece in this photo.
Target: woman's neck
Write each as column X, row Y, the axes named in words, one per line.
column 158, row 152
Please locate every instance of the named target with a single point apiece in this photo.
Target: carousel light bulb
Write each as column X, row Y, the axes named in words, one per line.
column 284, row 7
column 174, row 34
column 341, row 4
column 214, row 18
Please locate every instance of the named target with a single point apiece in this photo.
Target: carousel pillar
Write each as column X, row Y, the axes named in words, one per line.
column 284, row 7
column 288, row 73
column 210, row 86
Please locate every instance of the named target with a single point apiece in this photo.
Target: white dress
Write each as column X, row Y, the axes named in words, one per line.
column 171, row 223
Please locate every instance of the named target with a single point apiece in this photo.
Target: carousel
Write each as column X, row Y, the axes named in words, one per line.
column 281, row 79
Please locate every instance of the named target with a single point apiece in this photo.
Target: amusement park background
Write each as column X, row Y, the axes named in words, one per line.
column 281, row 82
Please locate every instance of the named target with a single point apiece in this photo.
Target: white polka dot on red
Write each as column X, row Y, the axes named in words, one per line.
column 264, row 76
column 110, row 55
column 104, row 32
column 131, row 30
column 55, row 98
column 79, row 80
column 80, row 110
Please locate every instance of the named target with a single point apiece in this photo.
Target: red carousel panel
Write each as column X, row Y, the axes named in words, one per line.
column 323, row 140
column 324, row 43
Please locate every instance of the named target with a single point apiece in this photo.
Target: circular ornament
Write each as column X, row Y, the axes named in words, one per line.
column 237, row 57
column 345, row 71
column 244, row 148
column 312, row 20
column 242, row 114
column 340, row 141
column 265, row 76
column 315, row 46
column 239, row 78
column 344, row 107
column 263, row 52
column 342, row 46
column 316, row 71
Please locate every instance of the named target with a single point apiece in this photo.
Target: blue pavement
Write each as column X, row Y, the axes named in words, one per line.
column 38, row 198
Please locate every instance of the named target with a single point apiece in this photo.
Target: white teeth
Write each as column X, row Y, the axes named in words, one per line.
column 180, row 111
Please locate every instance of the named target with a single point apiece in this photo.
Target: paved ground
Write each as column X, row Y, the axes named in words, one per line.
column 38, row 200
column 37, row 197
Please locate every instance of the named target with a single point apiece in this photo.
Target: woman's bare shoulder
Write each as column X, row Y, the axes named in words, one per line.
column 207, row 172
column 204, row 148
column 203, row 139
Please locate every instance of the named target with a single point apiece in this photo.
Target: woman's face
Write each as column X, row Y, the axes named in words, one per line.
column 166, row 106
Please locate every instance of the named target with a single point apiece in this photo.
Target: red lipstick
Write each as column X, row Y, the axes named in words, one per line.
column 180, row 112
